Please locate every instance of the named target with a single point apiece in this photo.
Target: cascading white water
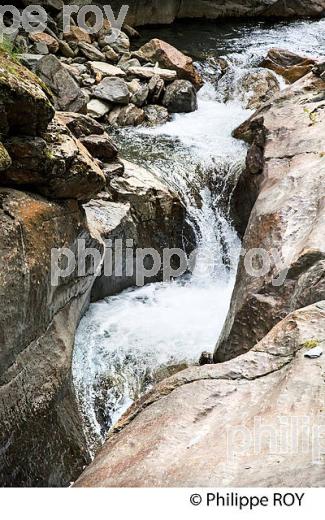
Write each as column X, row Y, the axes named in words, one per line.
column 123, row 342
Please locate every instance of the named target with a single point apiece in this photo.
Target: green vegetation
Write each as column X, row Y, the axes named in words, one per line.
column 9, row 48
column 311, row 343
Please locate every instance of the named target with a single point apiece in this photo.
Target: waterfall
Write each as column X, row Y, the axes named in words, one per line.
column 127, row 342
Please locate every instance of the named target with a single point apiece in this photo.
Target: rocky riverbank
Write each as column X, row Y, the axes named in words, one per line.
column 195, row 421
column 105, row 76
column 61, row 181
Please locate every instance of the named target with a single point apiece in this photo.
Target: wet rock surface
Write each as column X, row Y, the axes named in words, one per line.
column 180, row 96
column 288, row 64
column 142, row 209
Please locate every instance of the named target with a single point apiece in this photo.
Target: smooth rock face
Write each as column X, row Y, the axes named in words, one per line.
column 288, row 64
column 41, row 440
column 56, row 165
column 97, row 108
column 113, row 90
column 288, row 219
column 155, row 11
column 206, row 425
column 25, row 108
column 67, row 93
column 180, row 96
column 171, row 58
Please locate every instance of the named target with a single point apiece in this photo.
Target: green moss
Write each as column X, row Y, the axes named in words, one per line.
column 311, row 343
column 10, row 49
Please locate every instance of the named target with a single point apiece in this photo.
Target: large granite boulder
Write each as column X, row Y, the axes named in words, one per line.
column 288, row 64
column 41, row 438
column 67, row 94
column 112, row 90
column 171, row 58
column 56, row 165
column 212, row 426
column 25, row 106
column 282, row 265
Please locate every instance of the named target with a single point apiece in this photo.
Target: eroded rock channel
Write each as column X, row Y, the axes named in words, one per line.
column 136, row 142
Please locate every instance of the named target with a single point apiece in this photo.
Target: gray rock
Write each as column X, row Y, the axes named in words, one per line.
column 36, row 355
column 114, row 90
column 140, row 94
column 65, row 49
column 121, row 43
column 91, row 52
column 81, row 125
column 180, row 96
column 67, row 93
column 30, row 60
column 156, row 89
column 97, row 108
column 145, row 210
column 129, row 115
column 105, row 69
column 258, row 86
column 314, row 353
column 110, row 54
column 40, row 48
column 127, row 64
column 155, row 115
column 100, row 146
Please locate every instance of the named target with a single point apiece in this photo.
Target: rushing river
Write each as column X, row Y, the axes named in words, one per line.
column 125, row 342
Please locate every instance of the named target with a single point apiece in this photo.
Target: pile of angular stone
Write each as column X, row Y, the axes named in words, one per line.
column 91, row 74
